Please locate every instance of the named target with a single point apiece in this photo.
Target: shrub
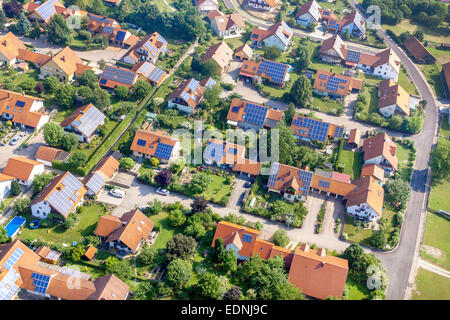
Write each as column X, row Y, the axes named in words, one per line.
column 280, row 238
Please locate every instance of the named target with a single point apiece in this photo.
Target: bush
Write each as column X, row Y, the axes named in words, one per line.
column 126, row 163
column 280, row 238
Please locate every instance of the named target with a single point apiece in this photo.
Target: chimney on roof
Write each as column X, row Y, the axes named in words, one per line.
column 305, row 247
column 307, row 168
column 323, row 263
column 4, row 43
column 51, row 54
column 322, row 252
column 63, row 58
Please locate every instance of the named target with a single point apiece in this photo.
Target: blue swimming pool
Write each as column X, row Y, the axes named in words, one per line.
column 13, row 226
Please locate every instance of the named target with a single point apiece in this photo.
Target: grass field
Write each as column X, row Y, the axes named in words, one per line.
column 437, row 233
column 408, row 25
column 89, row 217
column 356, row 234
column 405, row 83
column 431, row 286
column 166, row 233
column 444, row 130
column 356, row 290
column 326, row 106
column 433, row 74
column 352, row 163
column 217, row 189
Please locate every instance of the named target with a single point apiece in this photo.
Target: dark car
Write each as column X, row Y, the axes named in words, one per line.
column 248, row 184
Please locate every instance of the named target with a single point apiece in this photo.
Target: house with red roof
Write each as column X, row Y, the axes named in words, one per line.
column 335, row 85
column 112, row 77
column 308, row 13
column 23, row 169
column 278, row 35
column 382, row 151
column 205, row 6
column 84, row 122
column 315, row 273
column 187, row 96
column 147, row 144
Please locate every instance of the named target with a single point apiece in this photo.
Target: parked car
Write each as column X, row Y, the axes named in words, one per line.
column 36, row 50
column 162, row 191
column 118, row 193
column 248, row 184
column 13, row 141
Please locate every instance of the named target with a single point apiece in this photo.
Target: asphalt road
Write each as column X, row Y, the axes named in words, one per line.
column 400, row 263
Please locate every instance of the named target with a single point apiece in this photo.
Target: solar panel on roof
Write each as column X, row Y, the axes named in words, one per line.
column 255, row 114
column 120, row 75
column 353, row 56
column 95, row 183
column 40, row 282
column 61, row 199
column 141, row 142
column 318, row 130
column 20, row 104
column 156, row 74
column 13, row 258
column 339, row 132
column 274, row 70
column 324, row 183
column 305, row 177
column 214, row 151
column 46, row 10
column 146, row 68
column 235, row 109
column 273, row 174
column 163, row 151
column 102, row 81
column 120, row 35
column 90, row 121
column 8, row 287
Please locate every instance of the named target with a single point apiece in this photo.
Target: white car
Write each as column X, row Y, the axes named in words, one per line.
column 13, row 141
column 118, row 193
column 162, row 191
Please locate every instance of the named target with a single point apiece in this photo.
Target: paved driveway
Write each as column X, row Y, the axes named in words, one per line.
column 8, row 151
column 238, row 192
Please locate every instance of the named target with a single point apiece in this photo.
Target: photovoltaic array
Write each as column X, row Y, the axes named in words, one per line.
column 305, row 177
column 90, row 121
column 156, row 74
column 63, row 199
column 273, row 174
column 334, row 82
column 163, row 151
column 8, row 287
column 255, row 114
column 20, row 104
column 324, row 184
column 121, row 35
column 317, row 130
column 339, row 132
column 46, row 10
column 40, row 282
column 96, row 182
column 353, row 56
column 13, row 259
column 120, row 75
column 214, row 151
column 274, row 70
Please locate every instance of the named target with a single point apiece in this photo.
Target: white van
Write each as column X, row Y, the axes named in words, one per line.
column 117, row 193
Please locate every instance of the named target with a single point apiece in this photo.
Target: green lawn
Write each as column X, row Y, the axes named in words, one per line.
column 405, row 83
column 352, row 163
column 356, row 234
column 89, row 217
column 372, row 105
column 444, row 130
column 356, row 290
column 431, row 286
column 326, row 106
column 437, row 233
column 6, row 202
column 408, row 25
column 217, row 189
column 433, row 74
column 403, row 155
column 166, row 232
column 12, row 76
column 439, row 196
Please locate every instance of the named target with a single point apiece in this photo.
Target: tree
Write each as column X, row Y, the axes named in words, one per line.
column 419, row 35
column 15, row 188
column 121, row 92
column 210, row 286
column 301, row 91
column 379, row 239
column 199, row 205
column 209, row 68
column 110, row 262
column 179, row 274
column 41, row 180
column 69, row 141
column 39, row 88
column 176, row 218
column 52, row 83
column 100, row 98
column 65, row 95
column 211, row 96
column 164, row 178
column 199, row 183
column 440, row 159
column 234, row 293
column 2, row 19
column 97, row 7
column 35, row 32
column 58, row 31
column 3, row 237
column 286, row 146
column 77, row 159
column 218, row 252
column 180, row 246
column 27, row 84
column 397, row 193
column 280, row 238
column 53, row 133
column 85, row 92
column 272, row 53
column 21, row 204
column 89, row 79
column 289, row 114
column 229, row 262
column 126, row 163
column 353, row 255
column 301, row 61
column 147, row 255
column 12, row 8
column 77, row 253
column 71, row 221
column 122, row 270
column 24, row 25
column 154, row 161
column 140, row 89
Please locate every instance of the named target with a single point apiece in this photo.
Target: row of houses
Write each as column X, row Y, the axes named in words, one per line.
column 21, row 268
column 311, row 13
column 314, row 272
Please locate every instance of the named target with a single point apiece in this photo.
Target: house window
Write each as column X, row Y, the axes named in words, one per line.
column 247, row 238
